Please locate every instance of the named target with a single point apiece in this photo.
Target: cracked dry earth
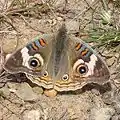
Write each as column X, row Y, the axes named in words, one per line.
column 25, row 101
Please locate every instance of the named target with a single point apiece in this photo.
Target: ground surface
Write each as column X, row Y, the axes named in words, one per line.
column 23, row 101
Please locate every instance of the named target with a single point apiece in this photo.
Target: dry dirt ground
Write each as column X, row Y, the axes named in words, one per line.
column 20, row 100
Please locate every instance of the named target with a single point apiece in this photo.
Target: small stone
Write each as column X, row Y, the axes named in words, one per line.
column 5, row 91
column 10, row 43
column 32, row 115
column 54, row 21
column 38, row 90
column 117, row 54
column 59, row 18
column 111, row 61
column 24, row 91
column 12, row 86
column 60, row 4
column 107, row 98
column 50, row 93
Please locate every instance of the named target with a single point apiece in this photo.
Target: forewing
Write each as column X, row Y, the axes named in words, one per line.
column 40, row 47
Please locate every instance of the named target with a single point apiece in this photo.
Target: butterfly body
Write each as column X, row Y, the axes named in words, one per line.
column 59, row 61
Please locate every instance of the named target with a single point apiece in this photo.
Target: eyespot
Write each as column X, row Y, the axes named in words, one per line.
column 45, row 74
column 82, row 69
column 34, row 62
column 65, row 77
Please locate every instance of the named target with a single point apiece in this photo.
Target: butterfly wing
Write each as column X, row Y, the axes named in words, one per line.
column 60, row 62
column 81, row 66
column 32, row 59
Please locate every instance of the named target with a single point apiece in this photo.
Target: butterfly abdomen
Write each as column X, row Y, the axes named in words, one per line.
column 59, row 50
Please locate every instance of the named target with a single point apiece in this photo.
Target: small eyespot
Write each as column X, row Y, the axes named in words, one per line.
column 34, row 62
column 65, row 77
column 82, row 69
column 45, row 74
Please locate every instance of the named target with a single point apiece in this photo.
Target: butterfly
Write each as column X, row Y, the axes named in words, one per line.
column 59, row 61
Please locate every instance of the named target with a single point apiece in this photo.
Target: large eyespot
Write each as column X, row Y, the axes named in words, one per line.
column 82, row 69
column 65, row 77
column 34, row 62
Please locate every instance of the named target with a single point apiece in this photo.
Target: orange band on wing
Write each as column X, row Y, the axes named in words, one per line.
column 84, row 52
column 42, row 42
column 78, row 46
column 34, row 46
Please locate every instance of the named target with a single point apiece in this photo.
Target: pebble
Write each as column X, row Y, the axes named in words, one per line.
column 5, row 91
column 59, row 18
column 23, row 91
column 50, row 93
column 38, row 90
column 111, row 61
